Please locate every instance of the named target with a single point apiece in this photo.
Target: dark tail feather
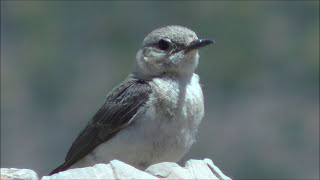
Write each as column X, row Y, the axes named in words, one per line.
column 62, row 167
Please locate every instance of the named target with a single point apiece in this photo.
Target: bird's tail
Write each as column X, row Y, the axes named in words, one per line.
column 62, row 167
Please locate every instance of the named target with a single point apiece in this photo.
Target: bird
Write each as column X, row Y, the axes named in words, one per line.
column 154, row 114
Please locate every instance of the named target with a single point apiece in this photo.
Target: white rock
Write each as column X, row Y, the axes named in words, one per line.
column 200, row 169
column 163, row 169
column 125, row 171
column 218, row 173
column 98, row 171
column 13, row 173
column 194, row 169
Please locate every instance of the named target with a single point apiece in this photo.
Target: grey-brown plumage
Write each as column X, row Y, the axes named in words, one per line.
column 116, row 113
column 154, row 114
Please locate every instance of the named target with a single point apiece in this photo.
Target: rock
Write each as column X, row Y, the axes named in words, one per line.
column 163, row 169
column 194, row 169
column 215, row 170
column 98, row 171
column 13, row 173
column 125, row 171
column 200, row 169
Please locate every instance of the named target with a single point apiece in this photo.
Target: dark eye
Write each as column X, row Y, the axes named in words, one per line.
column 163, row 44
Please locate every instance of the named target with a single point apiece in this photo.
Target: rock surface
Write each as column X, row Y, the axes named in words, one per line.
column 194, row 169
column 13, row 173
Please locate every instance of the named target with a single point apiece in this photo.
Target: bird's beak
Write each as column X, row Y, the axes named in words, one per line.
column 199, row 43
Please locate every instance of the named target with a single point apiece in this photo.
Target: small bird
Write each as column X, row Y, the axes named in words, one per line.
column 154, row 114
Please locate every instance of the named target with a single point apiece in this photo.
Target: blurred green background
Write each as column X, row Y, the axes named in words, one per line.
column 260, row 80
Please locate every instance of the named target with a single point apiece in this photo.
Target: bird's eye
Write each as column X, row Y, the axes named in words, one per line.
column 163, row 44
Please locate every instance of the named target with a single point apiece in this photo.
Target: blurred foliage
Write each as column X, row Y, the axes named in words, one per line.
column 260, row 79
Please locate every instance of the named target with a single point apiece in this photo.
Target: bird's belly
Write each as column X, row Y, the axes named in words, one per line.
column 142, row 147
column 163, row 131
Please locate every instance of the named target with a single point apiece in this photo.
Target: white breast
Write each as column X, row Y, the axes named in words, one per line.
column 179, row 111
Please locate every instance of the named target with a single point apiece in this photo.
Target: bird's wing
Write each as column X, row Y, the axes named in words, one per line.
column 118, row 111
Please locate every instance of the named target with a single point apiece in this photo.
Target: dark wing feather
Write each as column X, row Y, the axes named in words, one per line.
column 116, row 113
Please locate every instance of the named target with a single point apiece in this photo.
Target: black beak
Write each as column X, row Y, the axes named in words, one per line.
column 196, row 44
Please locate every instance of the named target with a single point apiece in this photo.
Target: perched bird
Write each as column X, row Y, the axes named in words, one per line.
column 154, row 114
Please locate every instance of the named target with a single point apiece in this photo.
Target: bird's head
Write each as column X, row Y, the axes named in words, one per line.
column 169, row 50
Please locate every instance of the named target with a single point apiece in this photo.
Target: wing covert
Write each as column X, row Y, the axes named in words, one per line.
column 117, row 112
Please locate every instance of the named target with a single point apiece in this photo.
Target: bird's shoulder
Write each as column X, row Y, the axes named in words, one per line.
column 119, row 108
